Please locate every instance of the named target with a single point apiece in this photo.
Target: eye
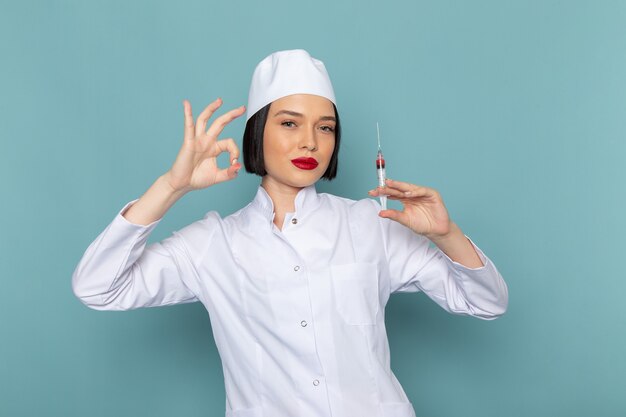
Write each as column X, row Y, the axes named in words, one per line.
column 328, row 129
column 288, row 123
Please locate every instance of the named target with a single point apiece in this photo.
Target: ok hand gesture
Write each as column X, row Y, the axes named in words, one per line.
column 195, row 166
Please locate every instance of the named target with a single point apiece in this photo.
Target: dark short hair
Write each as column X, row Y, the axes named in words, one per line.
column 253, row 145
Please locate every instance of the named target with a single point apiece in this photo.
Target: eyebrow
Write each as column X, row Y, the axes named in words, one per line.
column 296, row 114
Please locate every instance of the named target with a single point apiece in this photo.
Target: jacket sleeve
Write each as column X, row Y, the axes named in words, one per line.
column 118, row 271
column 417, row 265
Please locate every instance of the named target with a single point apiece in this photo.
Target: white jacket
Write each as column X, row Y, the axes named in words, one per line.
column 297, row 314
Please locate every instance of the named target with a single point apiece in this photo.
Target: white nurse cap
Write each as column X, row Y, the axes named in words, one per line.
column 284, row 73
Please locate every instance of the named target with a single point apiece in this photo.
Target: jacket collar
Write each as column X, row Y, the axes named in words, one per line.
column 306, row 201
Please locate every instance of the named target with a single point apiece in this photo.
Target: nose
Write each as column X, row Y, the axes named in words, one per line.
column 309, row 140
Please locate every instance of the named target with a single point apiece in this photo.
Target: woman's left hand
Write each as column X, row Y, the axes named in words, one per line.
column 423, row 211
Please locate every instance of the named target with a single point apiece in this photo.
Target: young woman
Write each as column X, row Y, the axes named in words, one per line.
column 296, row 282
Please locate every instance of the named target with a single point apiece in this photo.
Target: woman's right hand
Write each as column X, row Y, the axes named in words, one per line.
column 195, row 166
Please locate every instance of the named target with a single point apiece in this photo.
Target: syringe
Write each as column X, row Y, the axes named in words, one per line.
column 380, row 170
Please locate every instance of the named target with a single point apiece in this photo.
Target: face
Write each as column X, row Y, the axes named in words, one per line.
column 298, row 140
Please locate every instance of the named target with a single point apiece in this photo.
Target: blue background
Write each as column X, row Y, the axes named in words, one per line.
column 513, row 110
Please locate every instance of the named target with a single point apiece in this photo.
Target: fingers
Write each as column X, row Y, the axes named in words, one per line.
column 206, row 114
column 199, row 128
column 188, row 120
column 402, row 186
column 398, row 190
column 228, row 145
column 380, row 191
column 226, row 174
column 229, row 173
column 395, row 215
column 220, row 123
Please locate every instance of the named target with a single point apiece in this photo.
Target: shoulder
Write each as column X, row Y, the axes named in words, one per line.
column 201, row 231
column 212, row 230
column 350, row 203
column 364, row 209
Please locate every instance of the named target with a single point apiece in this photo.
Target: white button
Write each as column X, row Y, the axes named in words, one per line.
column 316, row 382
column 296, row 268
column 294, row 221
column 303, row 323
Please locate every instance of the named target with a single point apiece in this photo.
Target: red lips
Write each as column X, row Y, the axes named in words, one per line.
column 305, row 163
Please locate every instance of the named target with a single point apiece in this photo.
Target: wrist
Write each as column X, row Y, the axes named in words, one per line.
column 166, row 185
column 154, row 203
column 453, row 233
column 458, row 247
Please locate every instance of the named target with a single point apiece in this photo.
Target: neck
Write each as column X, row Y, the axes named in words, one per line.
column 283, row 197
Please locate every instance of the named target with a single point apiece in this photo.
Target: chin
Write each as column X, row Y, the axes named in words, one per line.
column 312, row 177
column 304, row 183
column 298, row 178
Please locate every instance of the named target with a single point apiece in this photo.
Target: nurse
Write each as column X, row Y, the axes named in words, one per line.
column 295, row 283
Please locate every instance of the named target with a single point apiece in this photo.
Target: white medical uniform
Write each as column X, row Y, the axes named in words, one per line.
column 297, row 314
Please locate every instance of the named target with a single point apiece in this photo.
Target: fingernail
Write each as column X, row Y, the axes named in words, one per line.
column 234, row 161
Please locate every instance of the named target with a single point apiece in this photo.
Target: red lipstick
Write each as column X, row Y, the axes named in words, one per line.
column 305, row 163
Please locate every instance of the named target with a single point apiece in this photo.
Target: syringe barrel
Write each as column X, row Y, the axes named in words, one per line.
column 380, row 169
column 381, row 176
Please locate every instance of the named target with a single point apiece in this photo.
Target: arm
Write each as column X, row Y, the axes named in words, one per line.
column 117, row 271
column 455, row 273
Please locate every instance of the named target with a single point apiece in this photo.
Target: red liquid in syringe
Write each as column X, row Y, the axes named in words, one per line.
column 380, row 169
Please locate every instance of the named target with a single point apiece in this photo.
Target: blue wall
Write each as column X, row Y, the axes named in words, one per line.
column 513, row 110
